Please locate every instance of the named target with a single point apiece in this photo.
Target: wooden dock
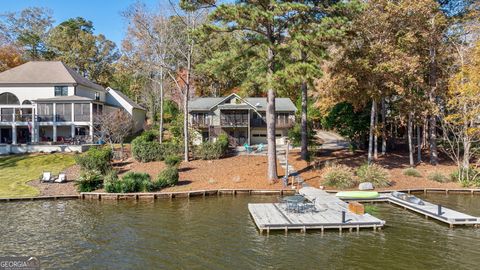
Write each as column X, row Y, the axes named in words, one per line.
column 437, row 212
column 274, row 216
column 429, row 210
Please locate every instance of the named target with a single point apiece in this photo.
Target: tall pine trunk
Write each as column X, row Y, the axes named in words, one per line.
column 410, row 139
column 304, row 127
column 431, row 96
column 375, row 136
column 160, row 128
column 419, row 144
column 271, row 143
column 370, row 135
column 433, row 140
column 384, row 127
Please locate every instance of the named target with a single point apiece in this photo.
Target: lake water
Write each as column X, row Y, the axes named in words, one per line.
column 218, row 233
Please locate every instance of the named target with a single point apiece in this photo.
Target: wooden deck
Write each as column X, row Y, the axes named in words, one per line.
column 274, row 216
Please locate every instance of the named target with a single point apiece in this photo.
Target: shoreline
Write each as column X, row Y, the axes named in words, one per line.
column 218, row 192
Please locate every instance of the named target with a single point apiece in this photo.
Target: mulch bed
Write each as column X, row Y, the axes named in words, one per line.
column 52, row 189
column 250, row 172
column 394, row 163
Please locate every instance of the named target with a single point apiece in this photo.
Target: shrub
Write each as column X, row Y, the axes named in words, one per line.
column 223, row 141
column 167, row 178
column 438, row 177
column 136, row 182
column 89, row 181
column 145, row 149
column 339, row 176
column 208, row 150
column 173, row 161
column 111, row 182
column 375, row 174
column 412, row 172
column 466, row 177
column 95, row 159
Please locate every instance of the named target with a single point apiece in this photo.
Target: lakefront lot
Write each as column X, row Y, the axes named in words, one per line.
column 20, row 174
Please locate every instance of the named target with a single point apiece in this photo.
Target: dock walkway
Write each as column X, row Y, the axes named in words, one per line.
column 435, row 211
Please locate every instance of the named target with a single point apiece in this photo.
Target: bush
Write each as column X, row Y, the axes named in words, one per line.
column 145, row 148
column 167, row 178
column 466, row 177
column 339, row 176
column 223, row 141
column 208, row 150
column 111, row 183
column 173, row 161
column 375, row 174
column 136, row 182
column 95, row 159
column 412, row 172
column 438, row 177
column 89, row 181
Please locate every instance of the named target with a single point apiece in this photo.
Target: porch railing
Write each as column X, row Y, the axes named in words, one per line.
column 230, row 120
column 201, row 122
column 63, row 117
column 82, row 117
column 279, row 123
column 17, row 117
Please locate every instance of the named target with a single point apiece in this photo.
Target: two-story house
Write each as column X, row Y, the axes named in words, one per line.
column 46, row 102
column 242, row 119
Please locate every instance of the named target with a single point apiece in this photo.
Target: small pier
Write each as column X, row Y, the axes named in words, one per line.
column 332, row 214
column 435, row 211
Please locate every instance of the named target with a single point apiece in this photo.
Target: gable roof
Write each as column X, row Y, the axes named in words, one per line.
column 126, row 98
column 257, row 103
column 45, row 72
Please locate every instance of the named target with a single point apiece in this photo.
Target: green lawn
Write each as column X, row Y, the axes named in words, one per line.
column 16, row 170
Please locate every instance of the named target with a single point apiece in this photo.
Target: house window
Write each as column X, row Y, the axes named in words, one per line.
column 97, row 96
column 8, row 98
column 61, row 91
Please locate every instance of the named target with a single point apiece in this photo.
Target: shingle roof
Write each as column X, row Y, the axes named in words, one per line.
column 205, row 103
column 45, row 72
column 126, row 98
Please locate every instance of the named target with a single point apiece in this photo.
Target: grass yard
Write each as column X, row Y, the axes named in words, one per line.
column 17, row 170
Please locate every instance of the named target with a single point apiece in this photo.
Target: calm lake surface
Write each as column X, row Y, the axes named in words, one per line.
column 218, row 233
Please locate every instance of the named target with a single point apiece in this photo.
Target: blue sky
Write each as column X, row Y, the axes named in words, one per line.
column 105, row 14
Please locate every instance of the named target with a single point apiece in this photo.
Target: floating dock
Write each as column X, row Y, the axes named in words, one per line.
column 435, row 211
column 332, row 213
column 273, row 216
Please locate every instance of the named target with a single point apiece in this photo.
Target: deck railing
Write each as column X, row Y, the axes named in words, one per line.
column 230, row 120
column 279, row 123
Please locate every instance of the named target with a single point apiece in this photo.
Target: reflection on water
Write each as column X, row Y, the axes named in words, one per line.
column 218, row 233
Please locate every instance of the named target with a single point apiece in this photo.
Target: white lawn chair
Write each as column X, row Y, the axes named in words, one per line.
column 62, row 178
column 46, row 177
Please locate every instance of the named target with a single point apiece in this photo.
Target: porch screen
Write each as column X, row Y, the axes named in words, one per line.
column 82, row 112
column 45, row 112
column 64, row 112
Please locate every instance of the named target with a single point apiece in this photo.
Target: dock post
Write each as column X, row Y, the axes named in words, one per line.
column 343, row 216
column 439, row 210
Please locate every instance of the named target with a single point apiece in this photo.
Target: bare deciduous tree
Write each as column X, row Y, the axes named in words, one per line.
column 114, row 127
